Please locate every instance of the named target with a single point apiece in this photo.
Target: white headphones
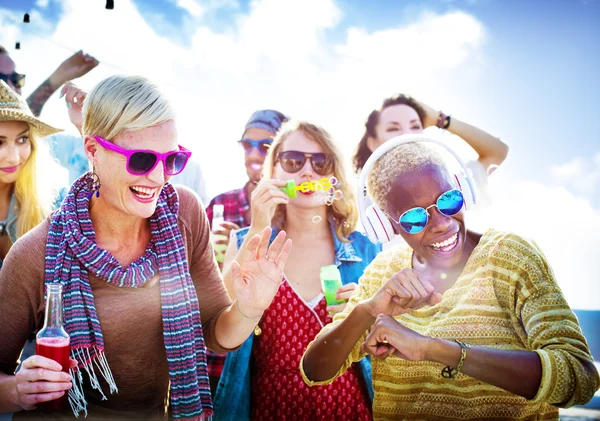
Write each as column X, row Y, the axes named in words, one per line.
column 377, row 225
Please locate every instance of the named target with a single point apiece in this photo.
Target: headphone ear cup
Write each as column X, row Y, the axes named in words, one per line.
column 379, row 229
column 467, row 190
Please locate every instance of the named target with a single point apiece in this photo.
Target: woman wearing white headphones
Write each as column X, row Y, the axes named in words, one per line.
column 462, row 325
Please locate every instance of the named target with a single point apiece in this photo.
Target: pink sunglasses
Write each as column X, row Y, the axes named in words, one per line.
column 142, row 162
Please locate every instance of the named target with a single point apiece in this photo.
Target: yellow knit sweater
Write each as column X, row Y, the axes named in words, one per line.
column 506, row 298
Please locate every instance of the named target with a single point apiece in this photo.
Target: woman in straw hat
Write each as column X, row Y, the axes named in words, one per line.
column 27, row 193
column 143, row 296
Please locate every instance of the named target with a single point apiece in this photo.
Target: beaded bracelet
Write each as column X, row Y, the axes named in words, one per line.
column 446, row 122
column 450, row 372
column 443, row 121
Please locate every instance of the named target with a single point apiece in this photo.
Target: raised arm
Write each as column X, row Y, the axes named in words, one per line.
column 263, row 203
column 255, row 278
column 73, row 67
column 255, row 281
column 491, row 150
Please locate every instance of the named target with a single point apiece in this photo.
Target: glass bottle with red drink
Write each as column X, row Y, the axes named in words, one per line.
column 53, row 341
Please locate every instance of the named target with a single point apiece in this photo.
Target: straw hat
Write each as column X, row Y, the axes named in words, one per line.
column 13, row 107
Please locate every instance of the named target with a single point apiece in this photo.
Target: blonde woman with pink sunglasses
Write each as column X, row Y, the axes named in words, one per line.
column 143, row 296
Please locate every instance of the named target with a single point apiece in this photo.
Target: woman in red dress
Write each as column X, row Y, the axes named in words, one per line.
column 322, row 235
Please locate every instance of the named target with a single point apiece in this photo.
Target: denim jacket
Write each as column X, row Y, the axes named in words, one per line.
column 232, row 399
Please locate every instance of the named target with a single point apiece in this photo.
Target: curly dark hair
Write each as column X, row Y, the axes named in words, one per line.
column 362, row 151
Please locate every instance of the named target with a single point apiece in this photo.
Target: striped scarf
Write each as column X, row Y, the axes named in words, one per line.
column 72, row 253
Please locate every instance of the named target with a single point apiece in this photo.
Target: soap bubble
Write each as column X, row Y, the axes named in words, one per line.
column 331, row 191
column 338, row 195
column 329, row 200
column 316, row 219
column 333, row 181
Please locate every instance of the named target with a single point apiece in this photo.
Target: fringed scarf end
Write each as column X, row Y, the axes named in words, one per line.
column 87, row 360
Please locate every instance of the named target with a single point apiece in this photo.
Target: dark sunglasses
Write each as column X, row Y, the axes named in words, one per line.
column 414, row 220
column 142, row 162
column 293, row 161
column 262, row 145
column 17, row 79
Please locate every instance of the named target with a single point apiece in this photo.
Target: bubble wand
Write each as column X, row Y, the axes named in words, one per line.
column 329, row 185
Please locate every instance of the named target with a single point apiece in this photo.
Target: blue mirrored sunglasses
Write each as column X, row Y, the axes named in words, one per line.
column 262, row 145
column 414, row 220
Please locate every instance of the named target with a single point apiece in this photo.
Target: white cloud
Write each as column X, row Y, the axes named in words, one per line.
column 192, row 6
column 286, row 31
column 412, row 45
column 579, row 175
column 409, row 58
column 10, row 27
column 278, row 55
column 563, row 224
column 275, row 56
column 570, row 169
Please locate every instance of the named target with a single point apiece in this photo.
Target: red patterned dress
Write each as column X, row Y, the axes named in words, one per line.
column 278, row 391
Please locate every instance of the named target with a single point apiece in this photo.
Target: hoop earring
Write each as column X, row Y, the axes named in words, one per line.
column 95, row 184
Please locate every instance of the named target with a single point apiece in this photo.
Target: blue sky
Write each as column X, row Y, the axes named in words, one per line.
column 526, row 71
column 541, row 61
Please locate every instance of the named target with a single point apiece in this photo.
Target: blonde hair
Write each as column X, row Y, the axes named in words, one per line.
column 124, row 103
column 344, row 211
column 402, row 159
column 35, row 189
